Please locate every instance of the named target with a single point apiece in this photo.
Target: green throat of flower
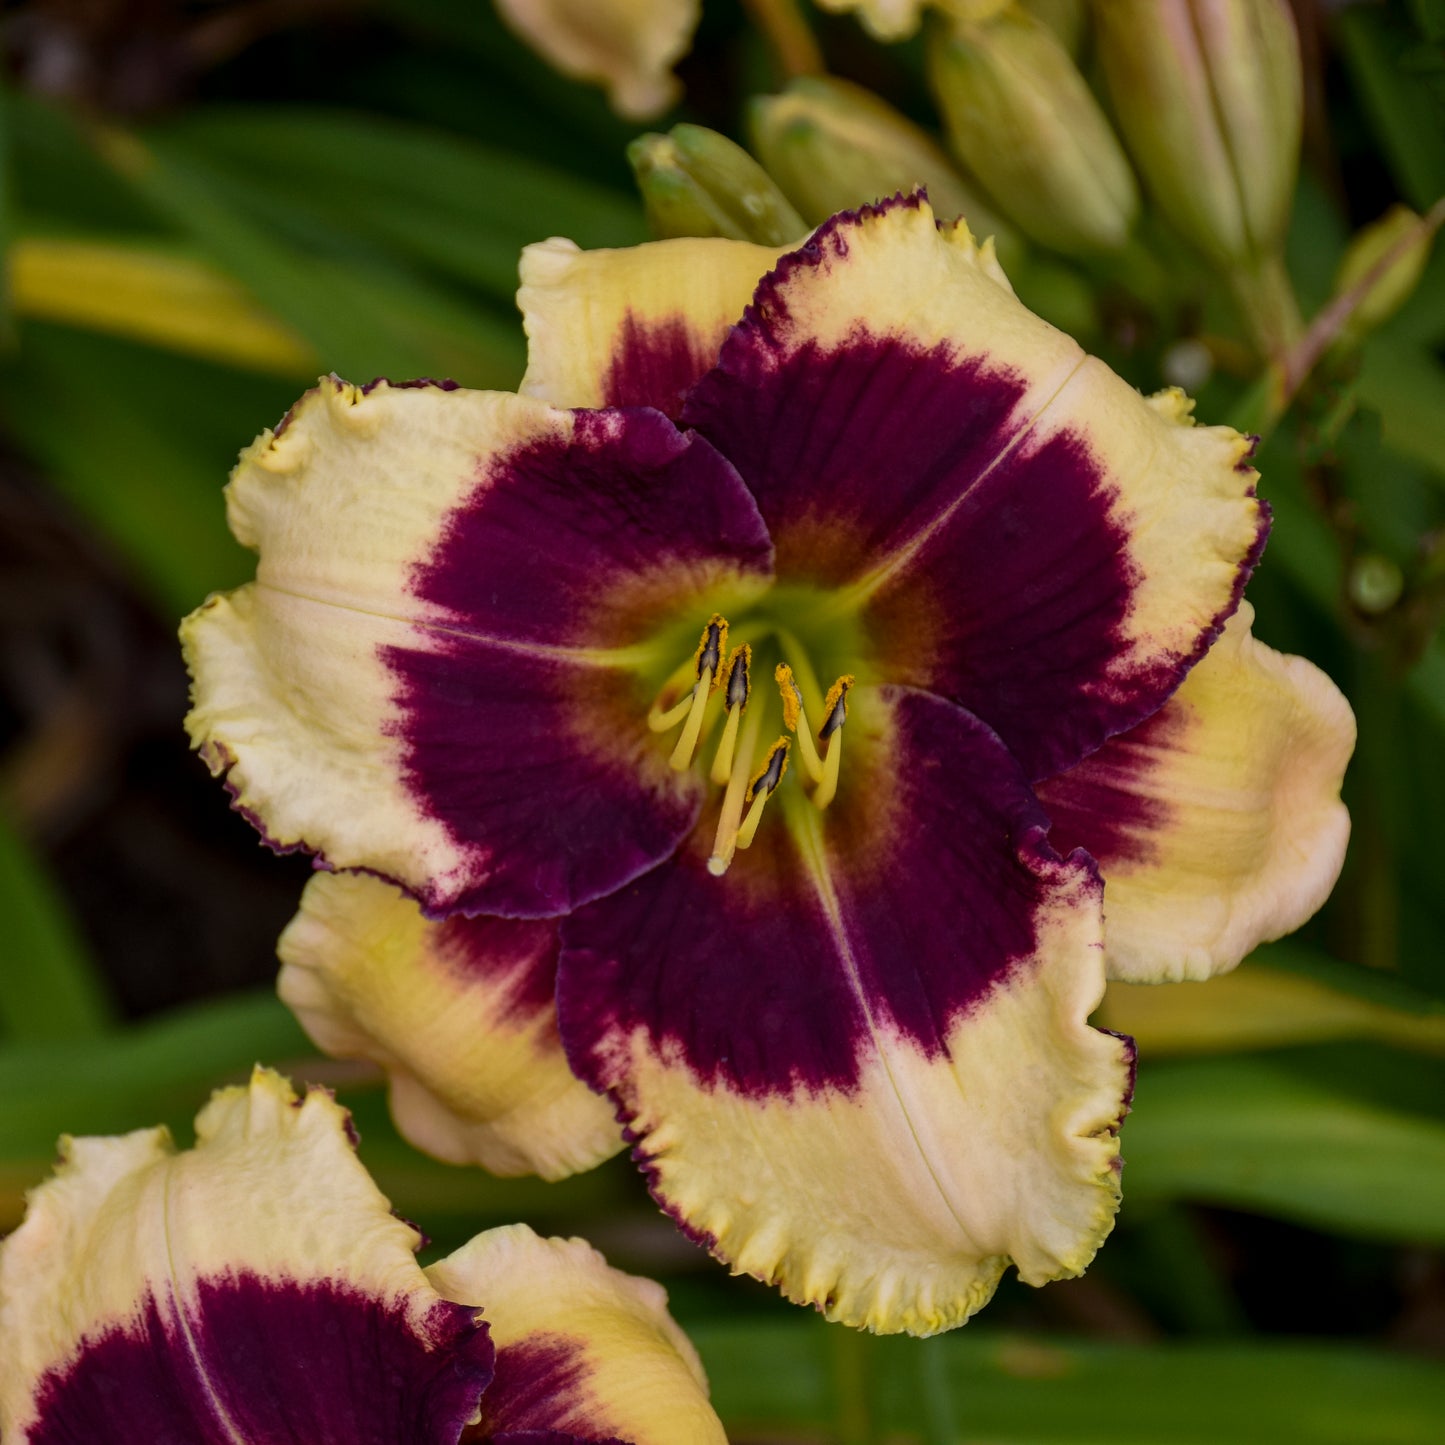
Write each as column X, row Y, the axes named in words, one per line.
column 717, row 684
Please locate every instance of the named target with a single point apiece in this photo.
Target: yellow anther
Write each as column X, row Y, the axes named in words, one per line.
column 795, row 719
column 712, row 647
column 762, row 787
column 739, row 690
column 707, row 669
column 726, row 840
column 835, row 714
column 792, row 698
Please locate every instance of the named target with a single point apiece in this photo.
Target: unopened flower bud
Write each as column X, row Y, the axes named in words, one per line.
column 1066, row 18
column 695, row 182
column 1208, row 96
column 1404, row 238
column 1019, row 115
column 833, row 146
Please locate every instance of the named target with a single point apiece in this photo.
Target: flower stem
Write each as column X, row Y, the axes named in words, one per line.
column 1267, row 305
column 852, row 1362
column 940, row 1422
column 789, row 35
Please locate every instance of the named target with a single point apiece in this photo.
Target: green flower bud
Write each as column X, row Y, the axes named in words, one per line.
column 695, row 182
column 833, row 146
column 1065, row 18
column 1208, row 96
column 1401, row 232
column 1018, row 114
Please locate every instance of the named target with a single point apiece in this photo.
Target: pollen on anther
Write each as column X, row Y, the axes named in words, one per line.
column 739, row 674
column 767, row 778
column 835, row 706
column 711, row 649
column 792, row 698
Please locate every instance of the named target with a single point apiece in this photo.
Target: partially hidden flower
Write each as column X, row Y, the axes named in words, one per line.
column 628, row 46
column 898, row 19
column 258, row 1287
column 582, row 682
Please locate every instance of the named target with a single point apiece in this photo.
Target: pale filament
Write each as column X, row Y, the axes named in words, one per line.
column 730, row 819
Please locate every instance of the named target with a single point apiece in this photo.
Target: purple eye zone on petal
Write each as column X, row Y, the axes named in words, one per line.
column 940, row 877
column 517, row 734
column 521, row 951
column 271, row 1362
column 1101, row 805
column 539, row 1394
column 1010, row 576
column 656, row 364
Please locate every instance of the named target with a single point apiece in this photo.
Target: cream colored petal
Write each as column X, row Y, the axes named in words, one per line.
column 861, row 1069
column 460, row 1014
column 433, row 675
column 343, row 501
column 898, row 1204
column 1218, row 823
column 581, row 1347
column 635, row 326
column 133, row 1240
column 628, row 46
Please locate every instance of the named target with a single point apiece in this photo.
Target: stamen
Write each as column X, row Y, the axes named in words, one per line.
column 707, row 663
column 835, row 714
column 726, row 840
column 762, row 787
column 795, row 719
column 711, row 647
column 739, row 690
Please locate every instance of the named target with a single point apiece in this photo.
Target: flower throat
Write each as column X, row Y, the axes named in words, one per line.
column 723, row 679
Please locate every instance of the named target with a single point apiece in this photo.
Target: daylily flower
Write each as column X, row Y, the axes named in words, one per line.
column 898, row 19
column 629, row 46
column 720, row 701
column 259, row 1288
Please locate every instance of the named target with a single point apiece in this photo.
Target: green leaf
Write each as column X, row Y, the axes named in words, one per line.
column 1406, row 385
column 769, row 1377
column 163, row 1071
column 160, row 1073
column 461, row 207
column 1387, row 990
column 153, row 293
column 49, row 990
column 365, row 319
column 1249, row 1134
column 1426, row 682
column 140, row 442
column 1407, row 117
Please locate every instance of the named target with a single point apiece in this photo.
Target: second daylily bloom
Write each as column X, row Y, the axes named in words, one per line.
column 720, row 702
column 259, row 1288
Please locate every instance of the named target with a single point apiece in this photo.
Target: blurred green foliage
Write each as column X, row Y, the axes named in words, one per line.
column 355, row 200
